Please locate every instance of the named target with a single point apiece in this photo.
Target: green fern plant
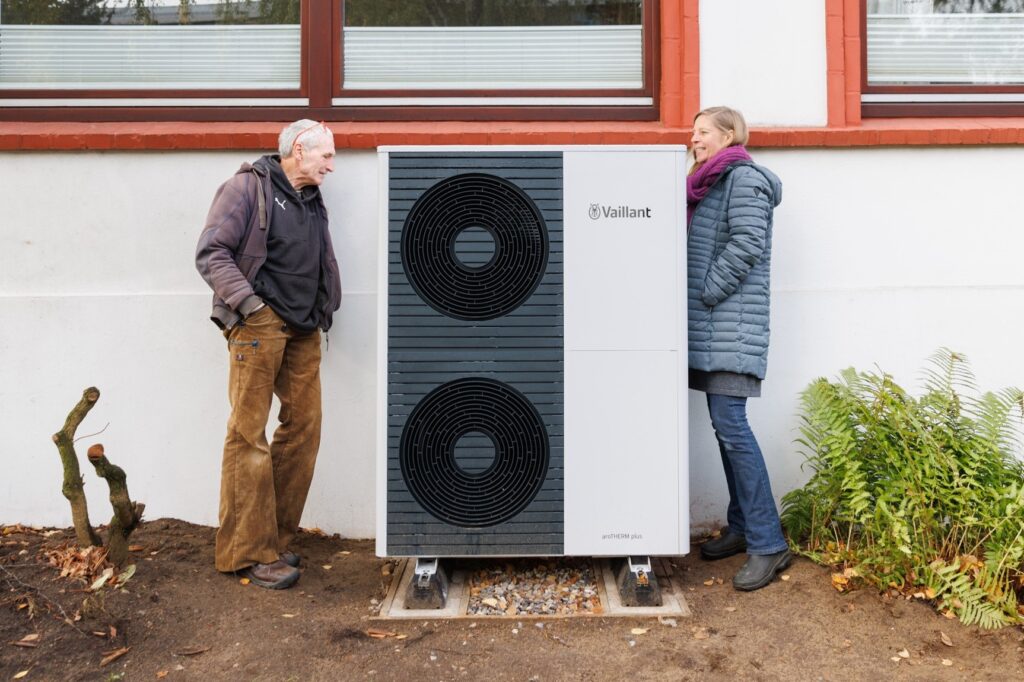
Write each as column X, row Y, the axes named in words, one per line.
column 922, row 495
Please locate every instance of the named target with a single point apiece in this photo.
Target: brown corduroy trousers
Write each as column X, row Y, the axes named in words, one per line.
column 263, row 486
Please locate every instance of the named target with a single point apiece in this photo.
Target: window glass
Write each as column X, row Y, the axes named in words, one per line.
column 945, row 42
column 493, row 44
column 149, row 44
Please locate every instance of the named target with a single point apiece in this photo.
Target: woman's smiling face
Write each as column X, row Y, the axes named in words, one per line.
column 708, row 139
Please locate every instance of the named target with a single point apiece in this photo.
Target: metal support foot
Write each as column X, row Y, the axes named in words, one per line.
column 637, row 584
column 429, row 586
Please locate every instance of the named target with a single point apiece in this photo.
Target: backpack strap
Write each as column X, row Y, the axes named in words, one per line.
column 261, row 201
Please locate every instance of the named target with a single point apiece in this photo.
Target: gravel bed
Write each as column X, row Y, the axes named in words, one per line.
column 537, row 587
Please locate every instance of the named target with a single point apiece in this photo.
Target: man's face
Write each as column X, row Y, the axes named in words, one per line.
column 314, row 163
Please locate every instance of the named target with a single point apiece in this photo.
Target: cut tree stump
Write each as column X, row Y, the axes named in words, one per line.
column 127, row 514
column 73, row 487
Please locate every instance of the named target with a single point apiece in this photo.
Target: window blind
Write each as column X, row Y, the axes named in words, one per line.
column 961, row 49
column 493, row 58
column 150, row 57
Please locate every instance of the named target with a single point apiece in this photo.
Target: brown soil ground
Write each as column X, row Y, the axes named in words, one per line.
column 180, row 619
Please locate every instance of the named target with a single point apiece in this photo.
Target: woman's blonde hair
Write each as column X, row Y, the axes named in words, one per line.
column 728, row 121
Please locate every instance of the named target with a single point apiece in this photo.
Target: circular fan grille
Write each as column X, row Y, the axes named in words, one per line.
column 474, row 498
column 473, row 202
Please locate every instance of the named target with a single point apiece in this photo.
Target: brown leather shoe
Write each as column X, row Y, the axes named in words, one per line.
column 275, row 576
column 290, row 558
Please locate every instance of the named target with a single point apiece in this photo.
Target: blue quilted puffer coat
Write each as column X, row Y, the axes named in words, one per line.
column 729, row 249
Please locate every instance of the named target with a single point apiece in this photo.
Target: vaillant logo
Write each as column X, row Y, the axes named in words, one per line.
column 601, row 211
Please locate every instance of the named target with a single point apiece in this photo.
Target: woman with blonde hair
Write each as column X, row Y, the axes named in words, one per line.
column 730, row 202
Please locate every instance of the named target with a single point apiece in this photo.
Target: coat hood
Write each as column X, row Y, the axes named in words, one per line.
column 774, row 183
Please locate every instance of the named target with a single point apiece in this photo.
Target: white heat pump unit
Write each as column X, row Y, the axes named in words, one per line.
column 532, row 359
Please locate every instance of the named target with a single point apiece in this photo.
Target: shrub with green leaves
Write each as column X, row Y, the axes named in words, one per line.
column 920, row 495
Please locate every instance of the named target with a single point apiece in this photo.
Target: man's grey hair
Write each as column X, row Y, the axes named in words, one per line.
column 309, row 133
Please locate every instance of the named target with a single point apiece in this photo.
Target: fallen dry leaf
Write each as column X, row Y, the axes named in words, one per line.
column 161, row 674
column 192, row 651
column 125, row 575
column 710, row 582
column 102, row 580
column 945, row 638
column 114, row 655
column 28, row 641
column 639, row 631
column 21, row 674
column 380, row 634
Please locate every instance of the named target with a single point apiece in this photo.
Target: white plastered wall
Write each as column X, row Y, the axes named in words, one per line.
column 880, row 256
column 765, row 58
column 98, row 287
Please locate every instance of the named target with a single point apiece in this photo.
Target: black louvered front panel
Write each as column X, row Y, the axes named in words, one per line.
column 475, row 354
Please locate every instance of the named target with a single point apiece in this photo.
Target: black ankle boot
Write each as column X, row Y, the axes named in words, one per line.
column 727, row 544
column 760, row 570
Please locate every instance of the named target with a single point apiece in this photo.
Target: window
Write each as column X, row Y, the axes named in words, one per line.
column 330, row 59
column 132, row 49
column 952, row 57
column 491, row 45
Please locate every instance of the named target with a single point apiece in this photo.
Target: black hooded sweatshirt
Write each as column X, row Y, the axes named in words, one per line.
column 290, row 280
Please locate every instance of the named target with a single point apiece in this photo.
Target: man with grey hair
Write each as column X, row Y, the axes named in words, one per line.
column 266, row 252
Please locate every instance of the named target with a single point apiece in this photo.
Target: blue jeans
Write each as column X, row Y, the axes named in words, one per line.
column 752, row 511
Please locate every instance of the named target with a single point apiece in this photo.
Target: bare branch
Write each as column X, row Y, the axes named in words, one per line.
column 14, row 582
column 90, row 435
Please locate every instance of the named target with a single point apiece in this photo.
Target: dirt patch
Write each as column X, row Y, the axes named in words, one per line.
column 180, row 619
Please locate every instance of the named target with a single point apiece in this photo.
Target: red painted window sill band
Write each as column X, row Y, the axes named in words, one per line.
column 258, row 136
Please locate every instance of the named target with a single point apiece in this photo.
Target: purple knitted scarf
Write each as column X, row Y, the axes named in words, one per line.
column 699, row 183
